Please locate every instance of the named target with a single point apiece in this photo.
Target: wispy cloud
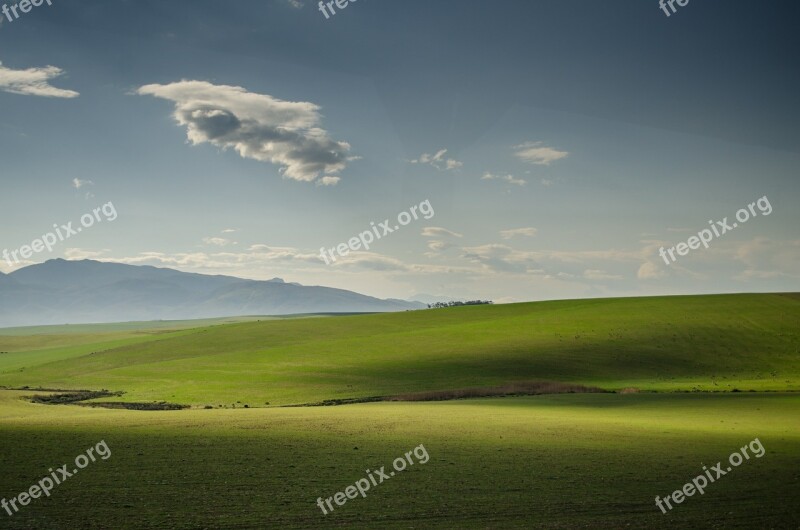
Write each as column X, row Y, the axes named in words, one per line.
column 438, row 160
column 258, row 127
column 33, row 82
column 524, row 232
column 511, row 179
column 435, row 231
column 437, row 245
column 539, row 154
column 595, row 274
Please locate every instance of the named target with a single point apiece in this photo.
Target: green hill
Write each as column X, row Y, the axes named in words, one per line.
column 719, row 342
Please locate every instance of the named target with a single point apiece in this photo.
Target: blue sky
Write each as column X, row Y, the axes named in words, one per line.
column 561, row 144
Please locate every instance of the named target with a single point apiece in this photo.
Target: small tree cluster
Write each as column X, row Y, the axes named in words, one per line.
column 439, row 305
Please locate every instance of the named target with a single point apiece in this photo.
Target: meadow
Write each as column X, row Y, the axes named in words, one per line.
column 710, row 374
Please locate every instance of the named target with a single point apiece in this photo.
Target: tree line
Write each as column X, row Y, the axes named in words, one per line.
column 439, row 305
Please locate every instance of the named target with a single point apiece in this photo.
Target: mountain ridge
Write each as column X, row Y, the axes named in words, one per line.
column 62, row 291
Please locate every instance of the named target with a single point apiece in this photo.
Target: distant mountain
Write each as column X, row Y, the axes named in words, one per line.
column 77, row 292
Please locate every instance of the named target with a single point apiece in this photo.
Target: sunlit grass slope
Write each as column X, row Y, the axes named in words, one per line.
column 720, row 342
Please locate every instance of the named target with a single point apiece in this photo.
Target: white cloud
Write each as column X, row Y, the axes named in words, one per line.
column 328, row 181
column 81, row 253
column 33, row 82
column 502, row 258
column 525, row 232
column 438, row 160
column 511, row 179
column 258, row 126
column 228, row 231
column 377, row 262
column 435, row 231
column 595, row 274
column 437, row 246
column 539, row 154
column 259, row 258
column 650, row 271
column 254, row 258
column 653, row 266
column 371, row 261
column 262, row 252
column 764, row 258
column 78, row 183
column 217, row 241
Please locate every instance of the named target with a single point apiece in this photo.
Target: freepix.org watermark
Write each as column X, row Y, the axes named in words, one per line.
column 719, row 228
column 25, row 6
column 56, row 477
column 341, row 4
column 366, row 238
column 671, row 3
column 363, row 485
column 699, row 483
column 62, row 233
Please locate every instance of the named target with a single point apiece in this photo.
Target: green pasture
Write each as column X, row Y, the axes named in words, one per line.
column 553, row 461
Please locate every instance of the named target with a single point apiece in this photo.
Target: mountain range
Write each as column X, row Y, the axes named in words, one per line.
column 86, row 291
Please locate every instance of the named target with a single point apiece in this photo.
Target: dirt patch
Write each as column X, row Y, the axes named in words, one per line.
column 78, row 397
column 532, row 388
column 342, row 401
column 70, row 397
column 161, row 405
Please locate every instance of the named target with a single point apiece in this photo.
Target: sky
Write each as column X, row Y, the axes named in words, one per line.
column 558, row 145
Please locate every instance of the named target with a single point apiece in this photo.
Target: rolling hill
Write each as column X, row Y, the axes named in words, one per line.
column 718, row 342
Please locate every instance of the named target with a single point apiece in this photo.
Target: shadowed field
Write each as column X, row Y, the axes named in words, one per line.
column 562, row 461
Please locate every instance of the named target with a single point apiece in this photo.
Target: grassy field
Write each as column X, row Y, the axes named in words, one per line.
column 745, row 342
column 558, row 461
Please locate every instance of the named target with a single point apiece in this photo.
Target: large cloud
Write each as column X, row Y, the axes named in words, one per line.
column 257, row 126
column 33, row 82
